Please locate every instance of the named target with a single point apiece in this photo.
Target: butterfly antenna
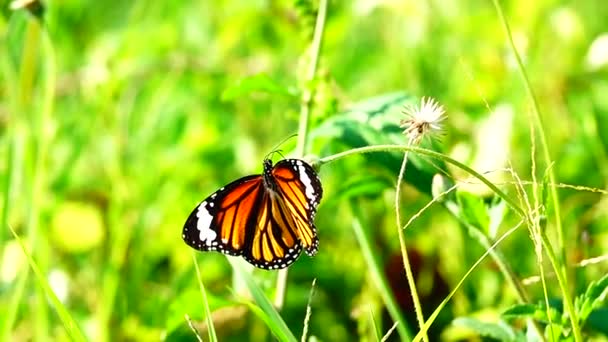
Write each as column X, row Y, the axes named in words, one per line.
column 276, row 149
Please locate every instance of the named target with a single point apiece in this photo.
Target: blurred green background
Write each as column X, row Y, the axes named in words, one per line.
column 117, row 118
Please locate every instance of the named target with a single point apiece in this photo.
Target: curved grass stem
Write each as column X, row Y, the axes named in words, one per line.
column 400, row 148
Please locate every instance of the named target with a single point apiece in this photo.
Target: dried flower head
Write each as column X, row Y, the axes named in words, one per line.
column 423, row 120
column 35, row 7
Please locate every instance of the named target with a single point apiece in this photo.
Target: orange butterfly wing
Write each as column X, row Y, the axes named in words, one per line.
column 220, row 222
column 301, row 192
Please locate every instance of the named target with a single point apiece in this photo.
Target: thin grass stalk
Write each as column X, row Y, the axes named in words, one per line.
column 309, row 91
column 208, row 318
column 389, row 332
column 536, row 228
column 558, row 264
column 535, row 231
column 193, row 328
column 538, row 123
column 308, row 311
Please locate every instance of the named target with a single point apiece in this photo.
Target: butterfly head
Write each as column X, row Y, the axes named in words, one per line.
column 267, row 165
column 269, row 182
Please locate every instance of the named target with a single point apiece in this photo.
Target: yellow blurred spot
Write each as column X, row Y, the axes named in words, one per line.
column 77, row 227
column 13, row 260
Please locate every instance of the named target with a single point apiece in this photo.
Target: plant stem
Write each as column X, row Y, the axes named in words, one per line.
column 561, row 280
column 539, row 124
column 406, row 260
column 308, row 311
column 305, row 109
column 309, row 90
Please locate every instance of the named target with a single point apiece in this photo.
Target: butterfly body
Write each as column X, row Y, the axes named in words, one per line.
column 267, row 219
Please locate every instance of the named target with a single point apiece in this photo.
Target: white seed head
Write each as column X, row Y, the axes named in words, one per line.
column 423, row 119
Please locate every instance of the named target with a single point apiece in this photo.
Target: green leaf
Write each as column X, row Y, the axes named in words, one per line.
column 537, row 312
column 520, row 311
column 597, row 320
column 260, row 83
column 498, row 331
column 594, row 297
column 556, row 330
column 360, row 186
column 474, row 210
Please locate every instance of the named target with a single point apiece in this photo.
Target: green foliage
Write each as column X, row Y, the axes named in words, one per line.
column 260, row 83
column 116, row 119
column 591, row 302
column 474, row 211
column 375, row 121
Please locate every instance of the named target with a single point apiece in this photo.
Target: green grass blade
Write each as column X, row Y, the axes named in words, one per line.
column 308, row 311
column 208, row 318
column 11, row 312
column 273, row 320
column 14, row 147
column 377, row 276
column 375, row 329
column 68, row 322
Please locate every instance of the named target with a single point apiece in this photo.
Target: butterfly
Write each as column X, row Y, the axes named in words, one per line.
column 267, row 219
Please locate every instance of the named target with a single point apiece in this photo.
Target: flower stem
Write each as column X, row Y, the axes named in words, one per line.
column 305, row 110
column 406, row 260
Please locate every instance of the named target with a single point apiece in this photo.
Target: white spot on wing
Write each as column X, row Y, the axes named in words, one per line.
column 310, row 191
column 203, row 224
